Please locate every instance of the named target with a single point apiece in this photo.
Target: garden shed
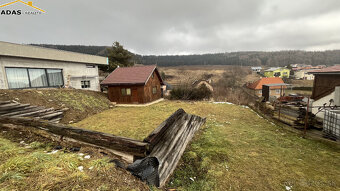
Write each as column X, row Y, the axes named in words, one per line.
column 131, row 85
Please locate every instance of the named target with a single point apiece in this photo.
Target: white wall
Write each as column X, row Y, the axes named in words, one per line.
column 320, row 102
column 73, row 72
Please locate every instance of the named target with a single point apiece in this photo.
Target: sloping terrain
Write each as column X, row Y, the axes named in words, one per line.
column 80, row 103
column 29, row 162
column 236, row 149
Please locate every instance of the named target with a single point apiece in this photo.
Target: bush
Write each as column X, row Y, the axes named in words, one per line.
column 186, row 93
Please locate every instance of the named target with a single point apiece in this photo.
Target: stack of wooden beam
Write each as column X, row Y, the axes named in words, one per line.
column 293, row 115
column 15, row 109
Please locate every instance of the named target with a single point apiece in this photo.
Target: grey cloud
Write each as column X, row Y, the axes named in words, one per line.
column 181, row 26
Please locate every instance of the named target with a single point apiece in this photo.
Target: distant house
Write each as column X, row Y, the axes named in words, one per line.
column 277, row 72
column 324, row 88
column 303, row 75
column 207, row 83
column 275, row 91
column 256, row 69
column 25, row 66
column 139, row 84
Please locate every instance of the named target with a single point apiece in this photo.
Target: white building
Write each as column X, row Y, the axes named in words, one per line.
column 256, row 68
column 25, row 66
column 303, row 75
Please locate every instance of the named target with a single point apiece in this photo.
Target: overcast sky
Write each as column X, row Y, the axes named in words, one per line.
column 180, row 26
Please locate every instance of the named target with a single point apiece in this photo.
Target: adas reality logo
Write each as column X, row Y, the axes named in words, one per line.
column 37, row 10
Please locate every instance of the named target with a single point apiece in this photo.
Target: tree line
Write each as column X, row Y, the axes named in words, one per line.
column 246, row 58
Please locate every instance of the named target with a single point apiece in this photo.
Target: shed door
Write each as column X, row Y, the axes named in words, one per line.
column 135, row 95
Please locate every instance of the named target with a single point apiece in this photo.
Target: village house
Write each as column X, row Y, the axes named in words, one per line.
column 275, row 91
column 326, row 88
column 256, row 69
column 303, row 75
column 277, row 72
column 139, row 84
column 25, row 66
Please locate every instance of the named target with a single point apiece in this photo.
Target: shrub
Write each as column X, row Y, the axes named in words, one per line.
column 187, row 93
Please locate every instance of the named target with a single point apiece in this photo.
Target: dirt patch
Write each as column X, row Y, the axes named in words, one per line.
column 80, row 103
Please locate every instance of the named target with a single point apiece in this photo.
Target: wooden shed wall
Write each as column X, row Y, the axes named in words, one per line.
column 324, row 84
column 145, row 94
column 153, row 82
column 115, row 95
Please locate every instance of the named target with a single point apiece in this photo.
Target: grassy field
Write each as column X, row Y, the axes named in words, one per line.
column 235, row 150
column 35, row 165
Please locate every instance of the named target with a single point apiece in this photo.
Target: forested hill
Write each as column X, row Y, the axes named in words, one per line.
column 254, row 58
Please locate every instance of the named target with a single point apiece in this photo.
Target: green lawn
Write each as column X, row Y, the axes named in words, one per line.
column 32, row 166
column 235, row 150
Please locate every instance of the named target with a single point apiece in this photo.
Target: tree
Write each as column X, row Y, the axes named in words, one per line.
column 118, row 56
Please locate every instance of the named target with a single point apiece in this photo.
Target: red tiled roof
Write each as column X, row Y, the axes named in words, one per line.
column 332, row 69
column 257, row 85
column 130, row 75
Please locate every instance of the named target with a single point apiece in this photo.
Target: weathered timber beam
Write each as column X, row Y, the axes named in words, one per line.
column 20, row 111
column 156, row 135
column 122, row 144
column 170, row 139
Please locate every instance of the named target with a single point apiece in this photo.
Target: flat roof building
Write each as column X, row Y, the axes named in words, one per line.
column 26, row 66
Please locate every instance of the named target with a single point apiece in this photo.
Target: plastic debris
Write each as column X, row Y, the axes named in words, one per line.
column 81, row 154
column 53, row 152
column 192, row 179
column 288, row 187
column 91, row 168
column 87, row 157
column 81, row 168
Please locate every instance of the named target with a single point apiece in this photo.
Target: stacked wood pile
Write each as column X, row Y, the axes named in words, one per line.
column 293, row 114
column 15, row 109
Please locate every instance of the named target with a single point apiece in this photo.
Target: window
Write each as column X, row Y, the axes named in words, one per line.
column 126, row 91
column 90, row 66
column 17, row 78
column 152, row 75
column 154, row 90
column 38, row 78
column 277, row 91
column 55, row 77
column 260, row 91
column 34, row 77
column 85, row 84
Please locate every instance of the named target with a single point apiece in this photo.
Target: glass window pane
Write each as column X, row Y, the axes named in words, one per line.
column 55, row 77
column 17, row 78
column 128, row 91
column 38, row 77
column 123, row 91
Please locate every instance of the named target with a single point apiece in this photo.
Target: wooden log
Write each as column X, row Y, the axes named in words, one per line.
column 156, row 135
column 34, row 113
column 51, row 115
column 284, row 120
column 109, row 141
column 12, row 106
column 5, row 102
column 169, row 140
column 23, row 110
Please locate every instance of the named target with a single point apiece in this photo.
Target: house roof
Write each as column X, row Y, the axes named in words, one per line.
column 131, row 75
column 275, row 68
column 36, row 52
column 257, row 85
column 329, row 70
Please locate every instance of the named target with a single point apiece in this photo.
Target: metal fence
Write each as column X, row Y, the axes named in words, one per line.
column 331, row 124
